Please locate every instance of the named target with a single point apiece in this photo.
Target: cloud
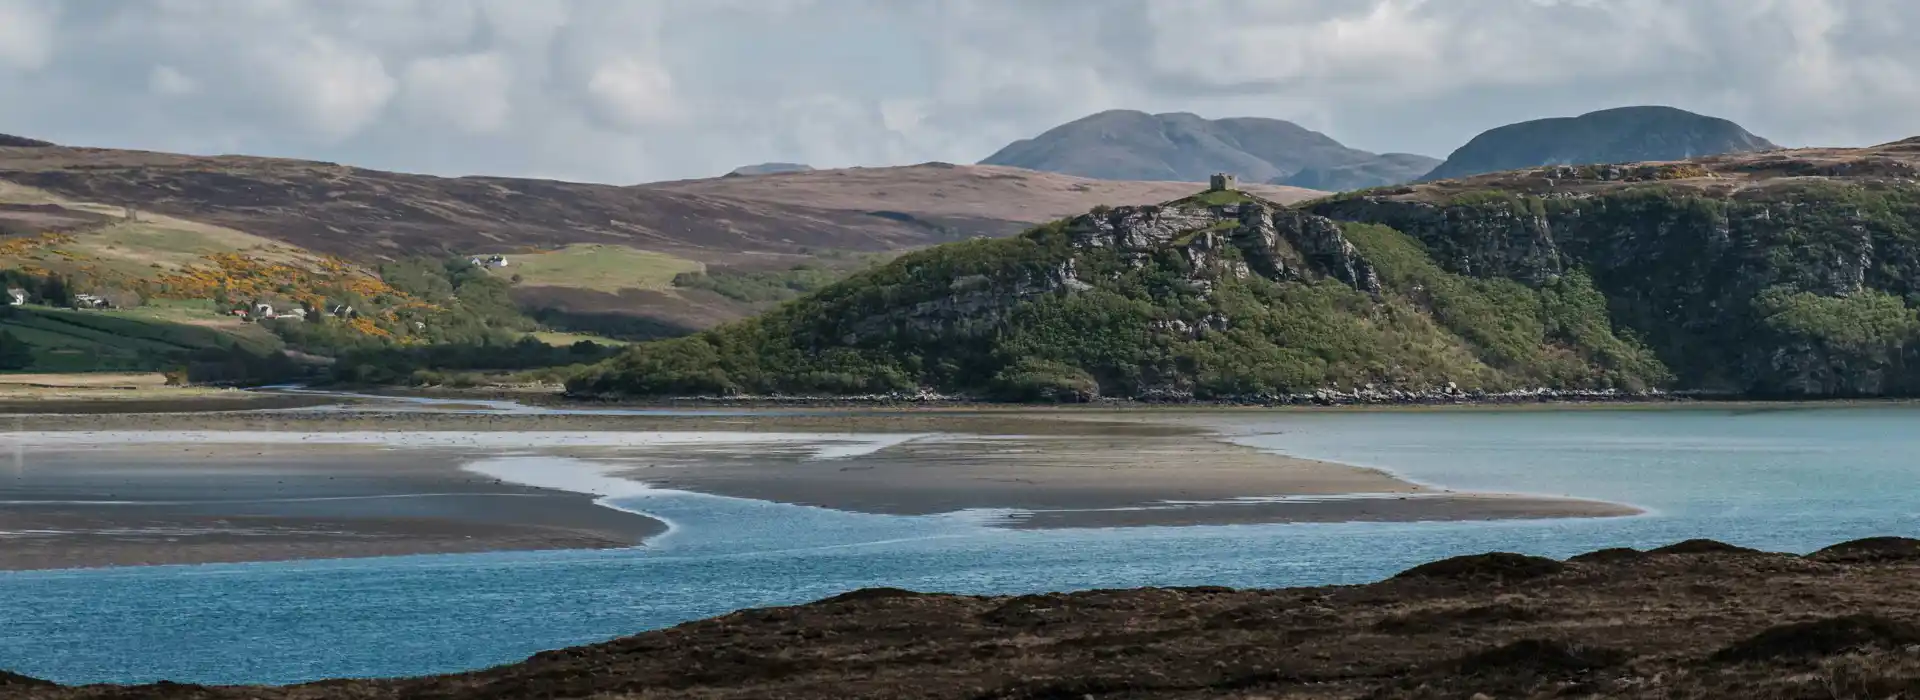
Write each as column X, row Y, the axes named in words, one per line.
column 468, row 92
column 26, row 33
column 325, row 86
column 168, row 80
column 632, row 93
column 655, row 89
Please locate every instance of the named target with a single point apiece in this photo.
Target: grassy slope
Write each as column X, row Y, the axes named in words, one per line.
column 65, row 340
column 1118, row 337
column 605, row 268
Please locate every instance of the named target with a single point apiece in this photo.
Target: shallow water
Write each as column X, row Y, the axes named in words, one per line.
column 1791, row 480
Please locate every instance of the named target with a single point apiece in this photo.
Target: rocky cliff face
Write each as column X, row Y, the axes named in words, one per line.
column 1741, row 279
column 1233, row 239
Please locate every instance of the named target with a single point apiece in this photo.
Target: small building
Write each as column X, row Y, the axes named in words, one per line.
column 263, row 310
column 1222, row 182
column 344, row 311
column 89, row 301
column 17, row 296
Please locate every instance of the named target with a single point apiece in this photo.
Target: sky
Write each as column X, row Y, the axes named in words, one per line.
column 627, row 91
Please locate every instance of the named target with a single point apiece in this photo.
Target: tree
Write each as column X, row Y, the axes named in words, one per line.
column 54, row 291
column 14, row 352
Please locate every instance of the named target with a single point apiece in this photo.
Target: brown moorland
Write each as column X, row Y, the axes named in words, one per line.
column 363, row 214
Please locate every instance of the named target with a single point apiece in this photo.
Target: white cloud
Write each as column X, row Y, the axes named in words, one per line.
column 324, row 86
column 168, row 80
column 26, row 33
column 626, row 91
column 633, row 93
column 468, row 92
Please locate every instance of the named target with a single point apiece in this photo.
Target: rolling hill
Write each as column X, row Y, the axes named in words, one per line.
column 1622, row 135
column 1780, row 273
column 1132, row 145
column 1385, row 169
column 193, row 206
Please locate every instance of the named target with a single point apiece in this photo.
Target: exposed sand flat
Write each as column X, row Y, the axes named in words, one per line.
column 1084, row 481
column 183, row 504
column 140, row 489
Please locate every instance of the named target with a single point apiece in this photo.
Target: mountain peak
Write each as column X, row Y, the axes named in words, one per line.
column 1124, row 144
column 769, row 169
column 1617, row 135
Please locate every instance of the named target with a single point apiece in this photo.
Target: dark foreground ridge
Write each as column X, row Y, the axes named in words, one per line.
column 1697, row 620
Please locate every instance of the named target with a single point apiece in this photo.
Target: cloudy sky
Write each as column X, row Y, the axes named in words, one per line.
column 637, row 90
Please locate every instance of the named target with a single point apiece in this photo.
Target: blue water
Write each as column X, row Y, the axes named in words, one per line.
column 1790, row 480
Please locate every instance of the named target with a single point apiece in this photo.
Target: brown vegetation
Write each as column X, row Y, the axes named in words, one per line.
column 1897, row 162
column 942, row 191
column 1697, row 621
column 363, row 214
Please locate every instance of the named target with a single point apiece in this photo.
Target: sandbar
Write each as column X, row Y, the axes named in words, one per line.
column 192, row 504
column 391, row 482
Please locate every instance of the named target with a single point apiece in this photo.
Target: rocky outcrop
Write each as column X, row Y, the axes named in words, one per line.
column 1234, row 239
column 1274, row 242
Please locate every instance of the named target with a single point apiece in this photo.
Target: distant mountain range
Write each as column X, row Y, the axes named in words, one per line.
column 1132, row 145
column 770, row 169
column 1384, row 169
column 1623, row 135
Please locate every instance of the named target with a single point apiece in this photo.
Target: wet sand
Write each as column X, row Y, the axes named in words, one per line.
column 1102, row 480
column 188, row 504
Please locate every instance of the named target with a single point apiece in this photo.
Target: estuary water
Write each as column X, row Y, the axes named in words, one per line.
column 1791, row 479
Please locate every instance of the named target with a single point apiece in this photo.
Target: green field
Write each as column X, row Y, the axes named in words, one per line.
column 605, row 268
column 65, row 340
column 561, row 340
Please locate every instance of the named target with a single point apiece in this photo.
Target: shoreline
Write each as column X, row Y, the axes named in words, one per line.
column 1708, row 619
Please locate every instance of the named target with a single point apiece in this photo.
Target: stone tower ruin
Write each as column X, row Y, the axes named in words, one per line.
column 1221, row 182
